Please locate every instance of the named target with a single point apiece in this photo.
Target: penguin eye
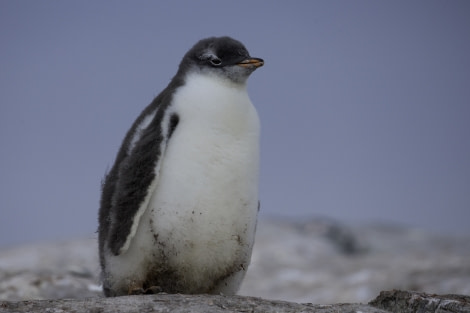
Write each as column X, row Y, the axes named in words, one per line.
column 216, row 61
column 211, row 58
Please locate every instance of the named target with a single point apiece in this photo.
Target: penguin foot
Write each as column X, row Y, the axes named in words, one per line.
column 152, row 290
column 136, row 291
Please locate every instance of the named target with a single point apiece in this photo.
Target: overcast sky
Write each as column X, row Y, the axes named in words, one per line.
column 364, row 105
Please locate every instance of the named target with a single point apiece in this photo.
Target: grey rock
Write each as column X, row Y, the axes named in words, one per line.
column 401, row 301
column 180, row 303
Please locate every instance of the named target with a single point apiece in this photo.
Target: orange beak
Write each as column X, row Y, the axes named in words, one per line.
column 252, row 62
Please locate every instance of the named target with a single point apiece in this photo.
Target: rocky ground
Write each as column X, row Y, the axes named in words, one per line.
column 316, row 261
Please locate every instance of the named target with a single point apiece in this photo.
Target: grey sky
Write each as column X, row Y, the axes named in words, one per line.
column 364, row 105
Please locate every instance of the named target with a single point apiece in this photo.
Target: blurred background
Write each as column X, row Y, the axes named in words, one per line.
column 364, row 105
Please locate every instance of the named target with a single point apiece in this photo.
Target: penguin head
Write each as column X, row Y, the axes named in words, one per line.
column 224, row 57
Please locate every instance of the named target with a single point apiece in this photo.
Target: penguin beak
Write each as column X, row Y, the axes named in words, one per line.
column 251, row 63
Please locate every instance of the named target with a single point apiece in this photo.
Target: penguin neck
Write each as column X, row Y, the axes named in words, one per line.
column 220, row 80
column 208, row 100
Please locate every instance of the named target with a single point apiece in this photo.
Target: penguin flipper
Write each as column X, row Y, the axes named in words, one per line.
column 137, row 176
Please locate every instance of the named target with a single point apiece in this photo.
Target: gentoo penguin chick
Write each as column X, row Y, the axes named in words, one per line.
column 179, row 206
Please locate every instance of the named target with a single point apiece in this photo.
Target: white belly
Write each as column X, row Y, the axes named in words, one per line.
column 206, row 201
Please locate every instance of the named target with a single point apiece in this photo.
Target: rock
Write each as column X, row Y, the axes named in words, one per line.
column 398, row 301
column 389, row 301
column 179, row 303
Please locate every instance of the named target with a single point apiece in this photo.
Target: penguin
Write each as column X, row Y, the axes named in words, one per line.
column 178, row 208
